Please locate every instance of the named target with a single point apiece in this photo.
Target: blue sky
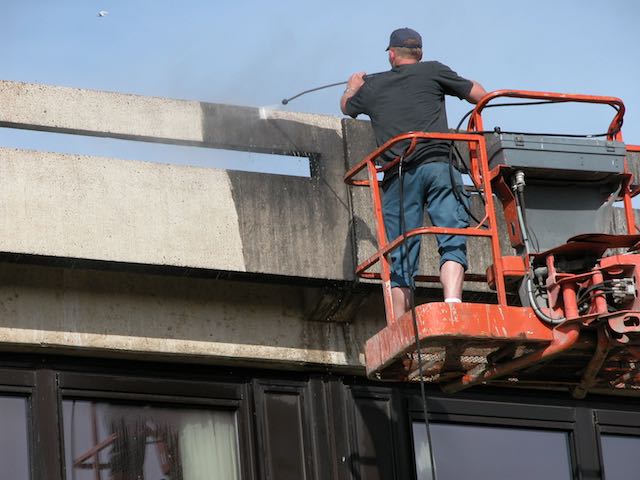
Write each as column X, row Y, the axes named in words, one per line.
column 256, row 52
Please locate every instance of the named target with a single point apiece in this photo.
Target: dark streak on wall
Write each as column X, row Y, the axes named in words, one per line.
column 288, row 226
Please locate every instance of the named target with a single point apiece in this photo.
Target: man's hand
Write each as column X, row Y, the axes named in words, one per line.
column 353, row 85
column 356, row 81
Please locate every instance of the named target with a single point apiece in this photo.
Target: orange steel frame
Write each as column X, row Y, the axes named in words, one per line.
column 385, row 247
column 628, row 208
column 481, row 175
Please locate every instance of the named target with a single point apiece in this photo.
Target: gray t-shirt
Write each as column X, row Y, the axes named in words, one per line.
column 410, row 98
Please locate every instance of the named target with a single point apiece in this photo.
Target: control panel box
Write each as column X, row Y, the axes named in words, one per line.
column 557, row 158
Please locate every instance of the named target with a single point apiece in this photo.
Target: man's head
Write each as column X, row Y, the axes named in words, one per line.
column 405, row 46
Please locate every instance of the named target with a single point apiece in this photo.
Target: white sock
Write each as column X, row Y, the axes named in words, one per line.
column 452, row 300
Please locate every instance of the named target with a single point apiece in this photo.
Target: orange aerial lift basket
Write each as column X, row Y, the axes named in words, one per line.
column 567, row 314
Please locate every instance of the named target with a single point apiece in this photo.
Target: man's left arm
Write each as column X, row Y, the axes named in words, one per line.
column 476, row 93
column 454, row 84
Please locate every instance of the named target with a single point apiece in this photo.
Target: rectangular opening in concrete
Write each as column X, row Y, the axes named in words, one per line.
column 292, row 165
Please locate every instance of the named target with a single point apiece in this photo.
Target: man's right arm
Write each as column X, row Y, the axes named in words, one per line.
column 476, row 93
column 353, row 85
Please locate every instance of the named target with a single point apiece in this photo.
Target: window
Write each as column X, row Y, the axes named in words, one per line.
column 122, row 441
column 486, row 453
column 14, row 446
column 620, row 455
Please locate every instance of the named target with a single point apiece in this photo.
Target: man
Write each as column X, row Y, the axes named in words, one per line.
column 410, row 97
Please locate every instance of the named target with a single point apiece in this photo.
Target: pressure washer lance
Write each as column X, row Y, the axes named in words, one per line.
column 287, row 100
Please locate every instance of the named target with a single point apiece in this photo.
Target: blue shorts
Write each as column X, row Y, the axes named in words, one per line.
column 427, row 184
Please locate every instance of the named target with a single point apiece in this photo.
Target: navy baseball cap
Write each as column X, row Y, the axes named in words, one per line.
column 405, row 37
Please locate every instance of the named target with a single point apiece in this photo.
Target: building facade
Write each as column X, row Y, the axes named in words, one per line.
column 179, row 322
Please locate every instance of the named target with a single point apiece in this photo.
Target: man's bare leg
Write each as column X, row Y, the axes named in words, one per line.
column 452, row 277
column 401, row 299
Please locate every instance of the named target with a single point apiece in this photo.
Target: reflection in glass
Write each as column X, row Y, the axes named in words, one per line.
column 14, row 446
column 488, row 453
column 620, row 456
column 116, row 442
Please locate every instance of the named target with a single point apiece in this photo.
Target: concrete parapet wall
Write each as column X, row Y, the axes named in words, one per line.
column 103, row 209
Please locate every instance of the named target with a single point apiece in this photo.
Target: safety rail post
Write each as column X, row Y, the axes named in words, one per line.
column 490, row 211
column 628, row 207
column 382, row 240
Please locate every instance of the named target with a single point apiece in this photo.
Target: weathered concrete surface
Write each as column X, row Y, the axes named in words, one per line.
column 135, row 117
column 291, row 225
column 74, row 110
column 115, row 210
column 282, row 225
column 148, row 316
column 139, row 212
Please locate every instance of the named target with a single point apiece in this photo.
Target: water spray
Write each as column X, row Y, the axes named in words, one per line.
column 265, row 111
column 287, row 100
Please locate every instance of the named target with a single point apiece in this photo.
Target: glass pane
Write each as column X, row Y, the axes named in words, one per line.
column 117, row 442
column 14, row 447
column 487, row 453
column 620, row 456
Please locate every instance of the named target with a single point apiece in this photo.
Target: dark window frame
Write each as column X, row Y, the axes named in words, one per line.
column 329, row 400
column 165, row 392
column 617, row 418
column 261, row 388
column 22, row 383
column 521, row 413
column 399, row 428
column 622, row 423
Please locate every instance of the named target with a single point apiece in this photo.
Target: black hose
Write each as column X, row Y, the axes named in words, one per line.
column 537, row 102
column 528, row 279
column 287, row 100
column 455, row 187
column 530, row 232
column 598, row 286
column 412, row 286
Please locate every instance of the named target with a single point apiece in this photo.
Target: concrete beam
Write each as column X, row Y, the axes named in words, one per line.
column 89, row 112
column 124, row 315
column 139, row 212
column 135, row 117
